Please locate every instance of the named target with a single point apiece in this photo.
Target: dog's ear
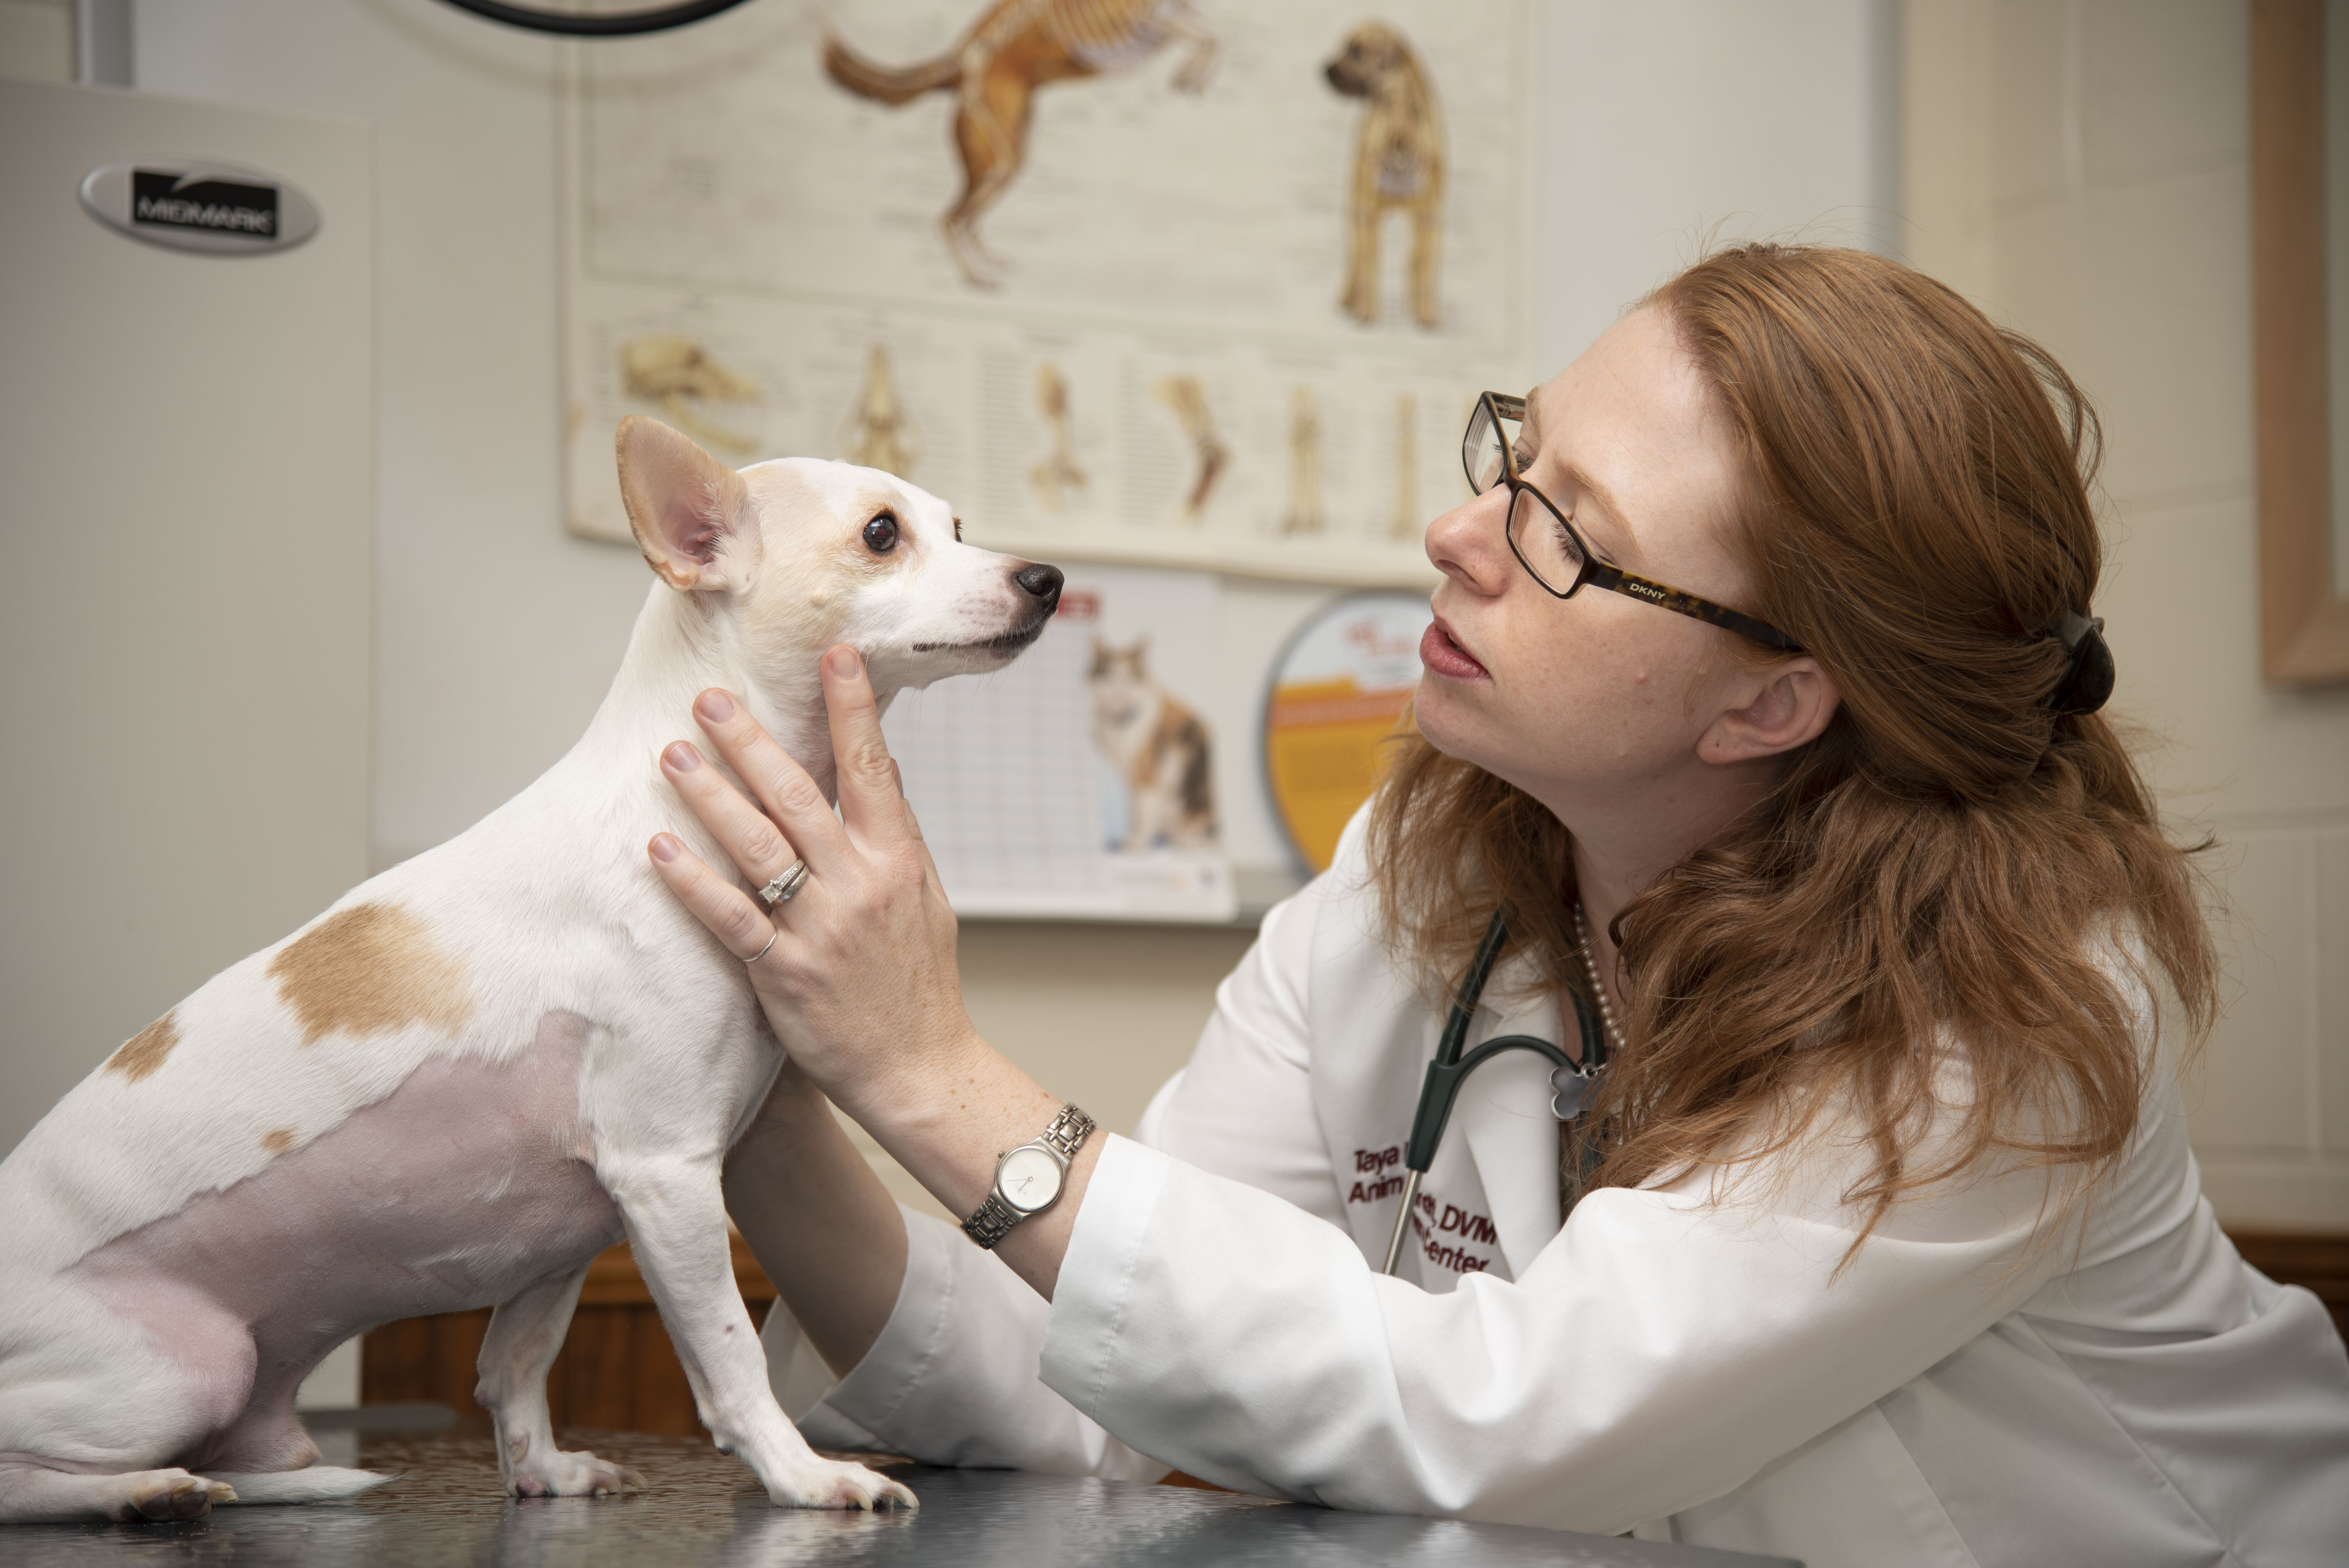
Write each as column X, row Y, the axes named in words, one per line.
column 690, row 513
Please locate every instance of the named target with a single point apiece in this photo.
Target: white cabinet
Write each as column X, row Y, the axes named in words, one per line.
column 186, row 501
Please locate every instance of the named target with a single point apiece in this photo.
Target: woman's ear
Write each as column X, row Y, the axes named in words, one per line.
column 1792, row 707
column 685, row 507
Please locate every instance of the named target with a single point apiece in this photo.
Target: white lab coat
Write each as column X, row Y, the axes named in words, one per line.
column 1683, row 1364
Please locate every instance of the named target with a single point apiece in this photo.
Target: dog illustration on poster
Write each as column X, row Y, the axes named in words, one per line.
column 1013, row 49
column 1398, row 165
column 1161, row 751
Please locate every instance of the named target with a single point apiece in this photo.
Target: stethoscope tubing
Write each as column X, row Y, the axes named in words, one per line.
column 1440, row 1086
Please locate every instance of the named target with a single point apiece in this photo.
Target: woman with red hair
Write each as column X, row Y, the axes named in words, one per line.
column 1760, row 715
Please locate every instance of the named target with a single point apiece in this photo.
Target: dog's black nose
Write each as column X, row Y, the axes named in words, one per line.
column 1044, row 582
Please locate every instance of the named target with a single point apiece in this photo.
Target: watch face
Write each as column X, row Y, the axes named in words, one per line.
column 1029, row 1179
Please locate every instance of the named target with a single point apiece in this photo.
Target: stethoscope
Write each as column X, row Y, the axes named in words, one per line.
column 1572, row 1082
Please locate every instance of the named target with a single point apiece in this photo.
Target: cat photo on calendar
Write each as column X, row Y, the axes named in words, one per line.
column 1161, row 751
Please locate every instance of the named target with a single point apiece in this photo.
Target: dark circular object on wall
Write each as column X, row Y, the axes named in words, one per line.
column 596, row 24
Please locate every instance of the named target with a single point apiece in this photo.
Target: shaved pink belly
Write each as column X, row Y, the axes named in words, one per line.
column 466, row 1184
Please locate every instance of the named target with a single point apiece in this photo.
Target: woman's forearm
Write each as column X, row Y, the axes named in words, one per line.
column 946, row 1116
column 819, row 1221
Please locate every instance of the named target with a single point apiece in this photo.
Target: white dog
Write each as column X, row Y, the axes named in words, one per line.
column 479, row 1069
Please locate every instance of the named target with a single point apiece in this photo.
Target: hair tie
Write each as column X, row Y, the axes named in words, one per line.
column 2088, row 678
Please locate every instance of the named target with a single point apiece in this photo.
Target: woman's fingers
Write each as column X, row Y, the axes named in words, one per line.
column 750, row 838
column 871, row 802
column 782, row 786
column 731, row 914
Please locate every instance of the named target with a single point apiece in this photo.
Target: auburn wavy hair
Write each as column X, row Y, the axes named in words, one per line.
column 1917, row 516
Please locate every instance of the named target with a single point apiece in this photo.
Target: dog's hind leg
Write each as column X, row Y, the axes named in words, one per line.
column 35, row 1494
column 989, row 132
column 524, row 1335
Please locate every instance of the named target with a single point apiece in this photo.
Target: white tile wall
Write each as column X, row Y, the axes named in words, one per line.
column 36, row 39
column 2254, row 1093
column 2112, row 197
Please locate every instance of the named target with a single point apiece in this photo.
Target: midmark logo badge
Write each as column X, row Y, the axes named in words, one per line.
column 185, row 201
column 224, row 209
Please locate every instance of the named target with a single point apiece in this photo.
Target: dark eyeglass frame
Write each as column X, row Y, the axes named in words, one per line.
column 1594, row 573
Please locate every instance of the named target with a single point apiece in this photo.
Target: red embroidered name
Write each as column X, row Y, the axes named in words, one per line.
column 1431, row 1220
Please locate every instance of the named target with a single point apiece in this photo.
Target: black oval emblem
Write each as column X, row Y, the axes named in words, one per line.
column 224, row 209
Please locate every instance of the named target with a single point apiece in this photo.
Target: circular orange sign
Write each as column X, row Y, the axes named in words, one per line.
column 1336, row 691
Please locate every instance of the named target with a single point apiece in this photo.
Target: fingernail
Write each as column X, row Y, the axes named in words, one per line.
column 680, row 757
column 665, row 847
column 843, row 663
column 715, row 705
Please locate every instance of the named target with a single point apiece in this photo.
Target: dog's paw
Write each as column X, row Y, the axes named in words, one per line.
column 834, row 1484
column 168, row 1494
column 581, row 1474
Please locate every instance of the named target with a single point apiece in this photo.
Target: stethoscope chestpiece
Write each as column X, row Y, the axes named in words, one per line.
column 1574, row 1086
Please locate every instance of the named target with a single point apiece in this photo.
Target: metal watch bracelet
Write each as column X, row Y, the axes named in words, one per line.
column 996, row 1217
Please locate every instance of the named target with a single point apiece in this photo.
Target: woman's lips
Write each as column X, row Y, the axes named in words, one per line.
column 1439, row 653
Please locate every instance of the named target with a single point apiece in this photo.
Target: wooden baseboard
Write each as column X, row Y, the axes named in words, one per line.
column 618, row 1372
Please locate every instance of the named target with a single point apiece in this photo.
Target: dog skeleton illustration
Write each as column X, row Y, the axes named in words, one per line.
column 1016, row 48
column 1056, row 471
column 674, row 374
column 1184, row 398
column 1398, row 165
column 1304, row 514
column 1159, row 748
column 881, row 435
column 1406, row 512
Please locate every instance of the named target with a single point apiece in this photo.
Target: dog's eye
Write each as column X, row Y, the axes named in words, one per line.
column 957, row 522
column 881, row 534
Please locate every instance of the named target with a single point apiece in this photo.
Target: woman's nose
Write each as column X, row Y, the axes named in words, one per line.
column 1468, row 543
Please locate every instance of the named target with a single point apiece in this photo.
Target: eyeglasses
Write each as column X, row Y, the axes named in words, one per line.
column 1552, row 551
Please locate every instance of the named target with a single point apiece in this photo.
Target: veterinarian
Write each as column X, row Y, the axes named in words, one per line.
column 1760, row 694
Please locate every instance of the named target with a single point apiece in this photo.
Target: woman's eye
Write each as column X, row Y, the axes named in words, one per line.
column 881, row 534
column 1566, row 545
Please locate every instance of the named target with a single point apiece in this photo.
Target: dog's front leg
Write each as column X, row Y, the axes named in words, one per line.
column 524, row 1335
column 676, row 1223
column 1361, row 299
column 1426, row 239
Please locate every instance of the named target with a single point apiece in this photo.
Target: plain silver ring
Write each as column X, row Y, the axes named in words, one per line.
column 762, row 952
column 786, row 885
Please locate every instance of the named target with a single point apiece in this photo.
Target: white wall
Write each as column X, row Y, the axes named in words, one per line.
column 497, row 632
column 1662, row 127
column 2081, row 167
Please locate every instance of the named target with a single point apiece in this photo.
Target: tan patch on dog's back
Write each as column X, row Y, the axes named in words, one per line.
column 367, row 969
column 279, row 1142
column 143, row 1052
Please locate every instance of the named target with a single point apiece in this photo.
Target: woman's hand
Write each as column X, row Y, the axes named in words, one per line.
column 859, row 980
column 857, row 974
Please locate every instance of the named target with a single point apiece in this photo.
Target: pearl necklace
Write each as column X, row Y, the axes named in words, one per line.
column 1597, row 986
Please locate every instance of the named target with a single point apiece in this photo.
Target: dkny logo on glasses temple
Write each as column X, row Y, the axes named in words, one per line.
column 1645, row 590
column 184, row 201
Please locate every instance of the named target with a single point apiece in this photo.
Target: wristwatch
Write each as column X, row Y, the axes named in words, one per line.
column 1028, row 1179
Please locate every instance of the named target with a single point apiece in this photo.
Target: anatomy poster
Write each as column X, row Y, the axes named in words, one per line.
column 1198, row 283
column 1082, row 778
